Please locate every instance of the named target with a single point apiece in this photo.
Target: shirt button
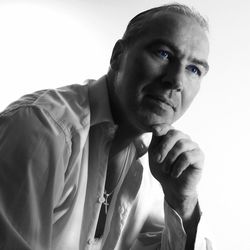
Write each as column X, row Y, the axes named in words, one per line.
column 121, row 223
column 90, row 241
column 121, row 210
column 101, row 199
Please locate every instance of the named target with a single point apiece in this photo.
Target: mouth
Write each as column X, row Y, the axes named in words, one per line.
column 162, row 100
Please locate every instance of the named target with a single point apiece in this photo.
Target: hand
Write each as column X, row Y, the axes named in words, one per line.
column 176, row 162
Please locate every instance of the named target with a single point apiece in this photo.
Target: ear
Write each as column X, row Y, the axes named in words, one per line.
column 116, row 56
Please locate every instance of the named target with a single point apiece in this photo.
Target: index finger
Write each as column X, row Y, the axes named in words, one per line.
column 158, row 130
column 161, row 129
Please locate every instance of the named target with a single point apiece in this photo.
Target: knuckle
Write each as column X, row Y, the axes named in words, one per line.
column 202, row 156
column 185, row 157
column 171, row 133
column 177, row 133
column 180, row 144
column 172, row 155
column 165, row 145
column 200, row 152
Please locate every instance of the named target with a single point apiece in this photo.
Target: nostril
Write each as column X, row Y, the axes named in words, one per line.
column 178, row 86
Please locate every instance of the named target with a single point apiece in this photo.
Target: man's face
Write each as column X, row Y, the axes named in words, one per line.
column 160, row 73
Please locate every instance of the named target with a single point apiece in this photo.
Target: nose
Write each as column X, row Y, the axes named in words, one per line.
column 177, row 85
column 173, row 78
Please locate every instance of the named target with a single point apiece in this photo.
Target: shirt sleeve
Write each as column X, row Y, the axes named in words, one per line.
column 163, row 229
column 172, row 236
column 33, row 153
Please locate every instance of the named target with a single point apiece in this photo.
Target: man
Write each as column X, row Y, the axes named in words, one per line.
column 71, row 175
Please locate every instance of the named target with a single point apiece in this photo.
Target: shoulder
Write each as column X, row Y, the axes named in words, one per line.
column 69, row 105
column 25, row 129
column 64, row 109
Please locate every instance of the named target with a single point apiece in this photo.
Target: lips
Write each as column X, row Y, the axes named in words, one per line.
column 163, row 99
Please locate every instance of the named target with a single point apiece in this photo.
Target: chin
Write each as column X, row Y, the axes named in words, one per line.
column 149, row 121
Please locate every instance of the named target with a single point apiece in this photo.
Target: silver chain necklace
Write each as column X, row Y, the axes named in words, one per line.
column 106, row 194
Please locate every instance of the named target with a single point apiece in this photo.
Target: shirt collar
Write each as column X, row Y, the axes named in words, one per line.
column 99, row 102
column 142, row 143
column 101, row 112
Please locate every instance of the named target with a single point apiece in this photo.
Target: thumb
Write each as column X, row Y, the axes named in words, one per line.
column 158, row 131
column 161, row 129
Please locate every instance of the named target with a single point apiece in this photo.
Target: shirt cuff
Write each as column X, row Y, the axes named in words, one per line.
column 174, row 236
column 203, row 231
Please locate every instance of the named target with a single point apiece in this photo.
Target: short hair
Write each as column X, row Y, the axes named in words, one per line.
column 137, row 24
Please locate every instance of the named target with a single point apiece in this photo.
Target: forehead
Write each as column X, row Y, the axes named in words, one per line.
column 184, row 32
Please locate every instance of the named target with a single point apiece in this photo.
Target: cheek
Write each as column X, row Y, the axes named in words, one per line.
column 143, row 69
column 188, row 95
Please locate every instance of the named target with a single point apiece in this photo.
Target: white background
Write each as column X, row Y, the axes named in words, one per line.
column 47, row 44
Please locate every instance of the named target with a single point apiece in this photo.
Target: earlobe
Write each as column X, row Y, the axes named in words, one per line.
column 116, row 56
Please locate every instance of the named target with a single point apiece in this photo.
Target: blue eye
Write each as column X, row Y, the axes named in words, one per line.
column 193, row 69
column 163, row 54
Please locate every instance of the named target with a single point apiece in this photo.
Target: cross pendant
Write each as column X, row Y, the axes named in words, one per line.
column 106, row 195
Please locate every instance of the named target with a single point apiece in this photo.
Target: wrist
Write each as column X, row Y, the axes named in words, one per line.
column 183, row 205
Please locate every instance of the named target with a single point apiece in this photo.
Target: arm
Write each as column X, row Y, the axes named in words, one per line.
column 32, row 149
column 160, row 228
column 176, row 162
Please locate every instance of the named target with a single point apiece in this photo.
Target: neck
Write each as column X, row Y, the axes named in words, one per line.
column 123, row 137
column 126, row 132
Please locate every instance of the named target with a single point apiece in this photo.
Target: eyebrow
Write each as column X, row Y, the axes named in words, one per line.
column 176, row 50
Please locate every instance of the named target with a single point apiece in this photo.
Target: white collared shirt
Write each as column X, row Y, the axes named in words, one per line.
column 54, row 147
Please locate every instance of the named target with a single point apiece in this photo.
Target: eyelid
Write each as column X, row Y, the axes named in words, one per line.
column 157, row 49
column 199, row 72
column 163, row 50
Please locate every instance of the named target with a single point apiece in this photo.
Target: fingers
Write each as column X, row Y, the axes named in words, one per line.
column 161, row 129
column 181, row 146
column 193, row 158
column 161, row 145
column 175, row 152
